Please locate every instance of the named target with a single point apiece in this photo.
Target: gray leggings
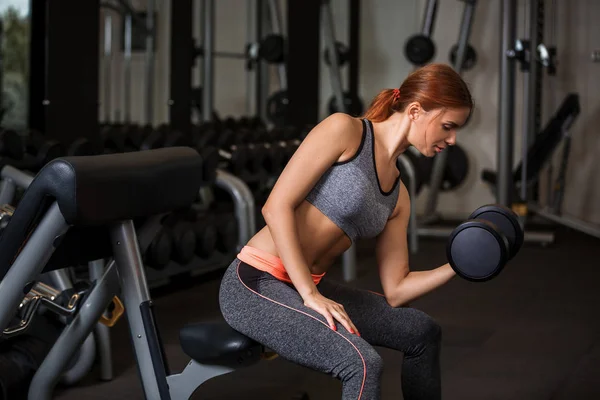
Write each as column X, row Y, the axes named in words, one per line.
column 272, row 312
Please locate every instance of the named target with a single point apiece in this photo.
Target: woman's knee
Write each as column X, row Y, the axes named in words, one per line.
column 427, row 333
column 366, row 362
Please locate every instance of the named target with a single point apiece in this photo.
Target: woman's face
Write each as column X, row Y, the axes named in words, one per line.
column 432, row 131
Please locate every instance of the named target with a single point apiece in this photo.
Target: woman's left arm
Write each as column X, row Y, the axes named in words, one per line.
column 400, row 285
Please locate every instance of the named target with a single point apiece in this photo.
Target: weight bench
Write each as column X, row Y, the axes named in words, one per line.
column 97, row 198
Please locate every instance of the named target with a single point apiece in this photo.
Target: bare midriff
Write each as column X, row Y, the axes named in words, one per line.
column 321, row 240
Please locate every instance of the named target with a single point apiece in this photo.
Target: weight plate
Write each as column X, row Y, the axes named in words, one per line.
column 477, row 251
column 271, row 49
column 419, row 49
column 457, row 168
column 507, row 222
column 81, row 147
column 343, row 54
column 278, row 108
column 184, row 242
column 11, row 145
column 470, row 57
column 352, row 102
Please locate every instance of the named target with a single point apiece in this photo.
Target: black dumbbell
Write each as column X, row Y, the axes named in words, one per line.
column 274, row 159
column 210, row 163
column 11, row 145
column 113, row 140
column 176, row 138
column 155, row 140
column 204, row 135
column 206, row 235
column 256, row 159
column 133, row 136
column 227, row 232
column 81, row 147
column 183, row 238
column 159, row 252
column 236, row 158
column 479, row 248
column 43, row 150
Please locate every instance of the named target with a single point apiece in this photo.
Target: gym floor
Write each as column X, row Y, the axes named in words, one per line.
column 531, row 333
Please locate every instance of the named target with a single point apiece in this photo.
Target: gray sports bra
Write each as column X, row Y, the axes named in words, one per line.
column 350, row 195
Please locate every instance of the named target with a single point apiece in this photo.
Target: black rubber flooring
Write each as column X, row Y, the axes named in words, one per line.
column 531, row 333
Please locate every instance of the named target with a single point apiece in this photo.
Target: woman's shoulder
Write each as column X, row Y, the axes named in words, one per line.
column 344, row 125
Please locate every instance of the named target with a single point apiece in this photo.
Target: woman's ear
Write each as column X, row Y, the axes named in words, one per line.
column 414, row 110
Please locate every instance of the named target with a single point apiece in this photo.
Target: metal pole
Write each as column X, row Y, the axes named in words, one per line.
column 531, row 101
column 526, row 124
column 439, row 163
column 1, row 71
column 263, row 81
column 506, row 102
column 208, row 82
column 430, row 12
column 127, row 70
column 251, row 37
column 102, row 332
column 412, row 193
column 107, row 68
column 276, row 28
column 150, row 37
column 334, row 67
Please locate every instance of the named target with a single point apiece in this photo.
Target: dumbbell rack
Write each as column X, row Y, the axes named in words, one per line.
column 197, row 267
column 244, row 212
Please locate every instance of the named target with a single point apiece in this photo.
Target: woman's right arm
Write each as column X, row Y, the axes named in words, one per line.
column 321, row 148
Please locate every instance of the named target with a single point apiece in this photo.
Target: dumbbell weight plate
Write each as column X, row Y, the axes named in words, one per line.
column 184, row 242
column 477, row 250
column 457, row 168
column 419, row 49
column 210, row 163
column 470, row 57
column 271, row 49
column 352, row 103
column 278, row 106
column 175, row 138
column 227, row 232
column 11, row 145
column 506, row 221
column 237, row 159
column 48, row 151
column 154, row 140
column 343, row 53
column 159, row 252
column 206, row 236
column 81, row 147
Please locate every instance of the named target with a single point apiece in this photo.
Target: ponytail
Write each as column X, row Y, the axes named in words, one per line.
column 433, row 86
column 381, row 107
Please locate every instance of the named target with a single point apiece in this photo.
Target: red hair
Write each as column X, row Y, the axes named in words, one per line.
column 433, row 86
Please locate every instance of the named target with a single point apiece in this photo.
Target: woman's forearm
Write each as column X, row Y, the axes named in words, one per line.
column 418, row 283
column 282, row 225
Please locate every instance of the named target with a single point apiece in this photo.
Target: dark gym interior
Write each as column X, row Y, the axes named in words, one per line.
column 140, row 139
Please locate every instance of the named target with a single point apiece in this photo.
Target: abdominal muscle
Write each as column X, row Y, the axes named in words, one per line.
column 321, row 240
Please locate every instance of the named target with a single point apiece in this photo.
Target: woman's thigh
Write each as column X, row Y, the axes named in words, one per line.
column 273, row 313
column 399, row 328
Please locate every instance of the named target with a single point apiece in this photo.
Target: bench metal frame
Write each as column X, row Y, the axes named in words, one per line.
column 124, row 275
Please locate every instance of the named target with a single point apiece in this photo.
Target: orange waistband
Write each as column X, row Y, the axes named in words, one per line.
column 269, row 263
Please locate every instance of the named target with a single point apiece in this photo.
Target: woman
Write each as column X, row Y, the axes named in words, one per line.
column 343, row 184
